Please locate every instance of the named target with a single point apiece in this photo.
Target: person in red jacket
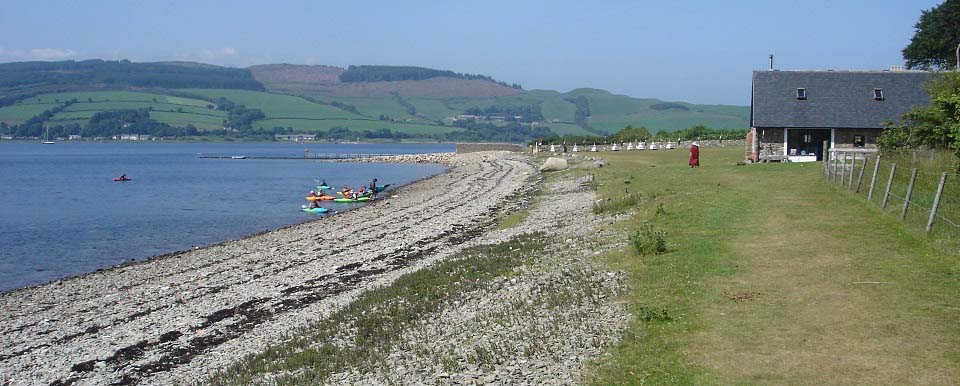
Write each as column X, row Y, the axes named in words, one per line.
column 694, row 155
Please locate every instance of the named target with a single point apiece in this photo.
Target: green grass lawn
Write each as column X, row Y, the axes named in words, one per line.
column 775, row 276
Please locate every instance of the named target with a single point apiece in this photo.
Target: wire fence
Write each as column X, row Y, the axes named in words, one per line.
column 919, row 189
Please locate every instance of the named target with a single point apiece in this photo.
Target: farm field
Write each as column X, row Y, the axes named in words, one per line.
column 275, row 106
column 773, row 275
column 18, row 113
column 176, row 111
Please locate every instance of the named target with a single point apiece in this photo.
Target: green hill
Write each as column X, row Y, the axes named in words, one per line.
column 282, row 98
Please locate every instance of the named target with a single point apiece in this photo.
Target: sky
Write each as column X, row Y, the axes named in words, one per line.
column 675, row 50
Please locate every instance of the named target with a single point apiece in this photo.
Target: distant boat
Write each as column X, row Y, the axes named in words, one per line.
column 46, row 136
column 239, row 157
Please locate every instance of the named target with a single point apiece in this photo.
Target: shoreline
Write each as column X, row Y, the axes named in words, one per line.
column 164, row 303
column 128, row 262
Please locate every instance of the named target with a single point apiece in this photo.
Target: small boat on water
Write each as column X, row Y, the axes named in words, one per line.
column 46, row 137
column 239, row 157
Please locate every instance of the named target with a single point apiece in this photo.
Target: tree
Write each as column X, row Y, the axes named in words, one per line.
column 933, row 126
column 934, row 43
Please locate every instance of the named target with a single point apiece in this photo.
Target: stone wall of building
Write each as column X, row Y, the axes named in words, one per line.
column 843, row 138
column 475, row 147
column 771, row 141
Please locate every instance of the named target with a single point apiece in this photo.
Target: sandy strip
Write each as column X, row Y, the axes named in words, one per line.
column 179, row 317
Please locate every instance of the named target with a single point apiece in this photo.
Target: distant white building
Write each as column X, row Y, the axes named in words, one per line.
column 292, row 137
column 133, row 137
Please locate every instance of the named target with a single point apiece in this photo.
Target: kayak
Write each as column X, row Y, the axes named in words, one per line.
column 359, row 199
column 315, row 210
column 320, row 198
column 322, row 187
column 118, row 179
column 365, row 194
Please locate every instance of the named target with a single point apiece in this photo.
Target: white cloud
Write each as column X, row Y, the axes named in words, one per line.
column 37, row 54
column 51, row 53
column 219, row 53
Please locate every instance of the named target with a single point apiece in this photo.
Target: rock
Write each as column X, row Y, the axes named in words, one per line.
column 599, row 163
column 553, row 164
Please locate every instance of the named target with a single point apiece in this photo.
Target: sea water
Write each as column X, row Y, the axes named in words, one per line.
column 61, row 214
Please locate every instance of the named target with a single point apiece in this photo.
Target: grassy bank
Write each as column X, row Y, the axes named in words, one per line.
column 773, row 275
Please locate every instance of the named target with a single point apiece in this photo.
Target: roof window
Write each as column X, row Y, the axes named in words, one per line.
column 801, row 94
column 878, row 94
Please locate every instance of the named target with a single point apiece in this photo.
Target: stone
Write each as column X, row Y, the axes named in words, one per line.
column 553, row 164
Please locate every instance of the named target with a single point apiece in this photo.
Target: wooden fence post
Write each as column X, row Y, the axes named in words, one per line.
column 936, row 202
column 906, row 199
column 862, row 169
column 853, row 168
column 873, row 180
column 886, row 194
column 824, row 156
column 833, row 166
column 843, row 169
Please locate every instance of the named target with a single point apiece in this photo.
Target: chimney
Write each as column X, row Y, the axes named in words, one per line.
column 771, row 62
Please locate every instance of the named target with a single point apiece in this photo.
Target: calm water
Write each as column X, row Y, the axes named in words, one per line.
column 61, row 214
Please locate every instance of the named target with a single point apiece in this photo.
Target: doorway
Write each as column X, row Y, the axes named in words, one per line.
column 807, row 141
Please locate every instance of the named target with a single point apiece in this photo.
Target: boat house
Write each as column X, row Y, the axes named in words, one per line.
column 794, row 113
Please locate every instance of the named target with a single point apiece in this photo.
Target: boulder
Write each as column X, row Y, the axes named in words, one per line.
column 553, row 164
column 599, row 163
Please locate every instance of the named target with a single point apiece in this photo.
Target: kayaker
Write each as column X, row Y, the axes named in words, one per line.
column 123, row 177
column 346, row 191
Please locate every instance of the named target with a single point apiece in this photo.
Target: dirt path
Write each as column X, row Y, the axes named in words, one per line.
column 174, row 318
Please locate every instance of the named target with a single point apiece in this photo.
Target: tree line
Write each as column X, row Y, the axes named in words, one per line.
column 642, row 134
column 119, row 73
column 527, row 113
column 368, row 73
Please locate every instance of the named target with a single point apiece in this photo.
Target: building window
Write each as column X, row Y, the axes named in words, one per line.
column 801, row 94
column 858, row 141
column 878, row 94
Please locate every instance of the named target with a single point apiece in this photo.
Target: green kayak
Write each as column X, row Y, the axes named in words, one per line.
column 360, row 199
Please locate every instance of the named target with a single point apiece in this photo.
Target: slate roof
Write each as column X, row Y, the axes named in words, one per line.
column 835, row 99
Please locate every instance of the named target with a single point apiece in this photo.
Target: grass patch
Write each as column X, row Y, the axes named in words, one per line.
column 849, row 295
column 618, row 204
column 357, row 335
column 513, row 219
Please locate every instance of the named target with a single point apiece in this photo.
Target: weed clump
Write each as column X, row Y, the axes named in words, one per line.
column 618, row 205
column 660, row 210
column 650, row 314
column 649, row 240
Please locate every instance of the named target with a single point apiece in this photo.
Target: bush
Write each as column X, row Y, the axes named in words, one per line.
column 649, row 240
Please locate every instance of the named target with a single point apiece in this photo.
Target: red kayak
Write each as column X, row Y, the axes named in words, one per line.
column 118, row 179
